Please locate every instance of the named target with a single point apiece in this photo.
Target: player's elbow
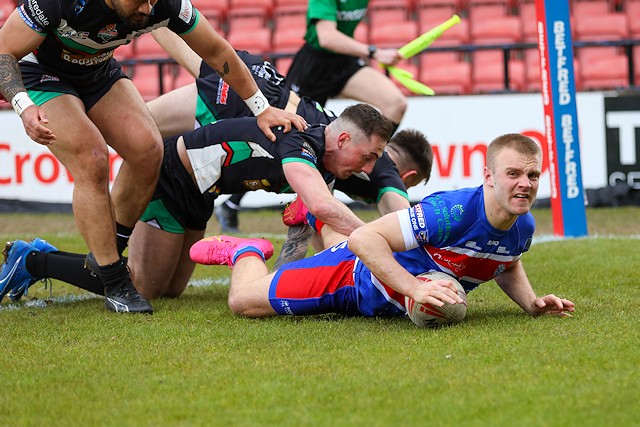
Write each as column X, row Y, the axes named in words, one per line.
column 356, row 240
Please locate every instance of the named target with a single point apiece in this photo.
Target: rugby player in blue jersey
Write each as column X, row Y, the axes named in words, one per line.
column 472, row 234
column 57, row 70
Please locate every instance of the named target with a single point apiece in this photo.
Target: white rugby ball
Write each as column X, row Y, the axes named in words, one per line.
column 431, row 316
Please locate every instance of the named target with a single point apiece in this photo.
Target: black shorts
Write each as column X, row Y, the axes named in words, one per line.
column 177, row 203
column 44, row 84
column 321, row 75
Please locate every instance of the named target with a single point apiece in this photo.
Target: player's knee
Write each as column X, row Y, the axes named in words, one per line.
column 239, row 303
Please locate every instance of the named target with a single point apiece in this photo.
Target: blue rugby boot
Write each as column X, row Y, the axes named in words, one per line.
column 14, row 274
column 42, row 246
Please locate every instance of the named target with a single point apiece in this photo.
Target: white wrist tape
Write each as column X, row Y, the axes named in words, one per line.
column 21, row 101
column 257, row 103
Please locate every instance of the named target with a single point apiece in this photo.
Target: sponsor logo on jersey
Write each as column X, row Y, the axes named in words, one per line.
column 473, row 245
column 501, row 268
column 308, row 151
column 223, row 92
column 351, row 15
column 48, row 78
column 37, row 13
column 186, row 12
column 27, row 20
column 527, row 245
column 88, row 60
column 257, row 184
column 107, row 33
column 457, row 212
column 502, row 250
column 73, row 34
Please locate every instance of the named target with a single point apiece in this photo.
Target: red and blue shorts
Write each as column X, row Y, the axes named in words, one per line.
column 321, row 284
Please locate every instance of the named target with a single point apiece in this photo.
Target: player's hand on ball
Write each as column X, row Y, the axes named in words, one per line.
column 436, row 292
column 552, row 305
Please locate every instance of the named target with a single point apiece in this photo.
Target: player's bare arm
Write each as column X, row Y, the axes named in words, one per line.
column 392, row 202
column 178, row 50
column 516, row 285
column 375, row 242
column 16, row 40
column 311, row 188
column 220, row 55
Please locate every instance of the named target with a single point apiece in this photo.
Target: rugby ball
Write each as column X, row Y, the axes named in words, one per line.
column 431, row 316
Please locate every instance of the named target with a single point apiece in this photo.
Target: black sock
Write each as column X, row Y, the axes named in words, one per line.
column 113, row 274
column 66, row 267
column 123, row 234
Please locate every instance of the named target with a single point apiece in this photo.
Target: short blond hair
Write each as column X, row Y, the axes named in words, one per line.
column 516, row 141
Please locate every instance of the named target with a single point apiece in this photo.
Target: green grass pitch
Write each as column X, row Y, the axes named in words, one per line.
column 66, row 361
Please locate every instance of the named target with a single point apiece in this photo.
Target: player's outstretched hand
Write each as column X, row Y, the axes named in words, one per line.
column 34, row 120
column 552, row 305
column 436, row 292
column 273, row 116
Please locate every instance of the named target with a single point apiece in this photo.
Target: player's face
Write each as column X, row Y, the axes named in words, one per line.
column 134, row 12
column 514, row 182
column 355, row 155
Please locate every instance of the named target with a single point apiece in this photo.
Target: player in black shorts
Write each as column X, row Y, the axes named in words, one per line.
column 226, row 157
column 73, row 97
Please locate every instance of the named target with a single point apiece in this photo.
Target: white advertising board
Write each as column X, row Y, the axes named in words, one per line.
column 458, row 127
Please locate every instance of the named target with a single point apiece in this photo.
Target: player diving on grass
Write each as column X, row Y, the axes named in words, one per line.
column 472, row 234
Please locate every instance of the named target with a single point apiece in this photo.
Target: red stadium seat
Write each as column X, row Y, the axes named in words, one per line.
column 446, row 76
column 384, row 16
column 284, row 3
column 488, row 73
column 610, row 26
column 477, row 13
column 290, row 19
column 146, row 47
column 454, row 36
column 267, row 5
column 212, row 7
column 579, row 9
column 287, row 40
column 456, row 5
column 246, row 19
column 632, row 10
column 603, row 68
column 528, row 22
column 494, row 30
column 256, row 41
column 394, row 35
column 146, row 79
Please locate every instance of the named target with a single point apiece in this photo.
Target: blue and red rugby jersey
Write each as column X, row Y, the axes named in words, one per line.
column 449, row 232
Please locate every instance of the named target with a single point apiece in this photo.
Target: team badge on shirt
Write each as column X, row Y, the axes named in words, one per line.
column 108, row 32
